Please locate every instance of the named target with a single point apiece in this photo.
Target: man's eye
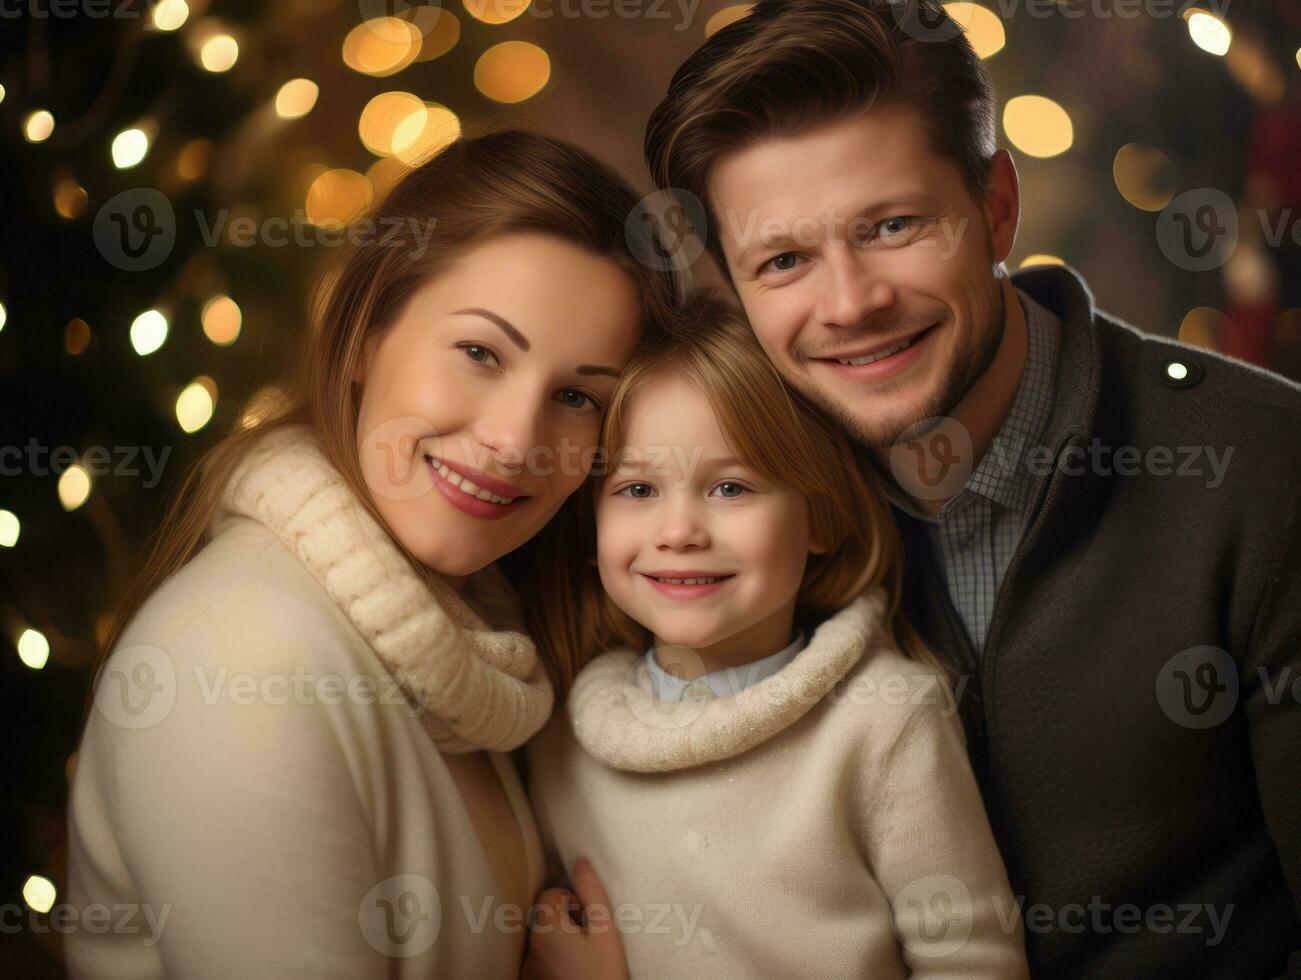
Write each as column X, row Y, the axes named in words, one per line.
column 895, row 231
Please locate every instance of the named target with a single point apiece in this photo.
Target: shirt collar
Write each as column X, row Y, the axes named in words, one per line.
column 1001, row 475
column 719, row 683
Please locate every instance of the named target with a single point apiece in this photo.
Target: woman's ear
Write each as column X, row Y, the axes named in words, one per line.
column 816, row 547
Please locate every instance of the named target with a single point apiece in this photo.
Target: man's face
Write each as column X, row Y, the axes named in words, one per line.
column 868, row 272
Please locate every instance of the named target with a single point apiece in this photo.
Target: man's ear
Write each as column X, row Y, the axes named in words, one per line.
column 1002, row 204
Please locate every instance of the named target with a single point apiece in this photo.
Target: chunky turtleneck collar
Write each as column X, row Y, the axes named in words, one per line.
column 618, row 719
column 473, row 686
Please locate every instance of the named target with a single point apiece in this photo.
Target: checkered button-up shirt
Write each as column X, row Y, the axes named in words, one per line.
column 977, row 530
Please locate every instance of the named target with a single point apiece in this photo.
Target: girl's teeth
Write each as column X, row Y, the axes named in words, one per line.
column 467, row 486
column 879, row 355
column 689, row 581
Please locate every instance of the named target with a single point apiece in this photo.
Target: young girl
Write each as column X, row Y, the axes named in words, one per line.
column 764, row 783
column 295, row 763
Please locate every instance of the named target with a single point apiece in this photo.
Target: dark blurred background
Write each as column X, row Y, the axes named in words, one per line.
column 232, row 135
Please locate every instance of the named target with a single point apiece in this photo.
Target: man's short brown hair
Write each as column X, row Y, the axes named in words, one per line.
column 791, row 66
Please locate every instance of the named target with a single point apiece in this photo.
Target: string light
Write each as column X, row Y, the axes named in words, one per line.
column 195, row 404
column 221, row 320
column 129, row 147
column 38, row 891
column 38, row 126
column 1209, row 32
column 169, row 15
column 148, row 332
column 9, row 528
column 73, row 487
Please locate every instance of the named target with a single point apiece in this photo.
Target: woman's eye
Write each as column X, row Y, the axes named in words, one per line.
column 638, row 491
column 576, row 398
column 731, row 489
column 477, row 353
column 781, row 263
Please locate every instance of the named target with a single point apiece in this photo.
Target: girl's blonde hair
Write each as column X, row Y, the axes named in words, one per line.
column 475, row 189
column 784, row 437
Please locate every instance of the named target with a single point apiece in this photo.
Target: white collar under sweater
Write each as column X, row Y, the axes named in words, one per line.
column 618, row 719
column 722, row 683
column 474, row 687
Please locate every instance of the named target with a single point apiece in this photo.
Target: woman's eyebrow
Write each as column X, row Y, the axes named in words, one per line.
column 506, row 326
column 522, row 342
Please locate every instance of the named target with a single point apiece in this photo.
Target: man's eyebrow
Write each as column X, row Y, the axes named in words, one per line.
column 901, row 200
column 522, row 342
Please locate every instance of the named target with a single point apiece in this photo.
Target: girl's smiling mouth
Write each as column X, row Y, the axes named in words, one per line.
column 687, row 583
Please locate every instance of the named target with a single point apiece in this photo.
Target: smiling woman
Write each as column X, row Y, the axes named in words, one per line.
column 353, row 533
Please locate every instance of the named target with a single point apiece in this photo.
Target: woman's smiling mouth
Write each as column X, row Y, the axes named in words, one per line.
column 469, row 495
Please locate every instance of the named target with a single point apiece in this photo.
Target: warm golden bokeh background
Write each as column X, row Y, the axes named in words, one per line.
column 264, row 125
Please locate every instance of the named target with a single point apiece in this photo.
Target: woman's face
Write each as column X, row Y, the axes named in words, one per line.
column 677, row 505
column 482, row 402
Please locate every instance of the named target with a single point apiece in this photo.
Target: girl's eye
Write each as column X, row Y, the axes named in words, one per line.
column 642, row 491
column 477, row 353
column 575, row 398
column 780, row 263
column 731, row 489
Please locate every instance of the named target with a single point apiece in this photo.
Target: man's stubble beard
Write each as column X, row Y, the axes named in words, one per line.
column 965, row 370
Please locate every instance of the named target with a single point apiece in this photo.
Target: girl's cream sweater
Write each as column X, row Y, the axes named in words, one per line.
column 822, row 822
column 264, row 778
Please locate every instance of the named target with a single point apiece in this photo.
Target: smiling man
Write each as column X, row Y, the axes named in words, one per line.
column 1126, row 629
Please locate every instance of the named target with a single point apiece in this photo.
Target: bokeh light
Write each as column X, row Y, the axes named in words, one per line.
column 512, row 71
column 1144, row 176
column 296, row 98
column 1038, row 126
column 148, row 332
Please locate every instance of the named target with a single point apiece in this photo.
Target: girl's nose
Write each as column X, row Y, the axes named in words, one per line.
column 682, row 527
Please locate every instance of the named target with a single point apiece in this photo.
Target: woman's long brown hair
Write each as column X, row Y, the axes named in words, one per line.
column 471, row 191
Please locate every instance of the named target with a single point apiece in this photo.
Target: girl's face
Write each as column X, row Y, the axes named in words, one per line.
column 481, row 403
column 676, row 505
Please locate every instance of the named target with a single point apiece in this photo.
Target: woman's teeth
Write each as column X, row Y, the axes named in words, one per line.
column 879, row 355
column 465, row 485
column 691, row 581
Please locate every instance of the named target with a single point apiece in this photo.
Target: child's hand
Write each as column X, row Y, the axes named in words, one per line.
column 573, row 936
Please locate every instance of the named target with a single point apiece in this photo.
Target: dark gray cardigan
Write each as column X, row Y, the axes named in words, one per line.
column 1135, row 718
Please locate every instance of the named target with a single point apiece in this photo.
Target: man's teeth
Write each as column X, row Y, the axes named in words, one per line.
column 869, row 358
column 691, row 581
column 466, row 485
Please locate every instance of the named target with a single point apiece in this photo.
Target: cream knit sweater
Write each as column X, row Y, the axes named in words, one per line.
column 823, row 822
column 262, row 778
